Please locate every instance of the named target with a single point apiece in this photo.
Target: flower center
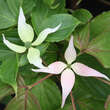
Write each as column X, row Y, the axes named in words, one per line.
column 28, row 45
column 69, row 66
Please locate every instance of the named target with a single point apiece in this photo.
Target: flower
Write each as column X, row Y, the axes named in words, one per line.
column 68, row 70
column 26, row 34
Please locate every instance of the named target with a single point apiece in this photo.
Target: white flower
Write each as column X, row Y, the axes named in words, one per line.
column 26, row 34
column 68, row 70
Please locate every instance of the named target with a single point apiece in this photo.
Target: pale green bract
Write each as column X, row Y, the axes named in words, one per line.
column 26, row 34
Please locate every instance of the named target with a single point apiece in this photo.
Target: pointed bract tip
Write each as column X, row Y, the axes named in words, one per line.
column 21, row 16
column 3, row 38
column 107, row 78
column 62, row 105
column 34, row 70
column 57, row 27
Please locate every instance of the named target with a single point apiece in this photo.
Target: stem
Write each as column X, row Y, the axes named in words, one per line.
column 72, row 99
column 79, row 54
column 25, row 99
column 107, row 102
column 105, row 81
column 105, row 2
column 31, row 86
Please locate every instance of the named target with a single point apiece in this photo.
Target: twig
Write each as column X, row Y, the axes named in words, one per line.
column 40, row 81
column 72, row 99
column 107, row 102
column 105, row 2
column 105, row 81
column 25, row 99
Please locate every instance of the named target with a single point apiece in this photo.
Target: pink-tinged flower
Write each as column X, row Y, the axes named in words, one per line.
column 68, row 70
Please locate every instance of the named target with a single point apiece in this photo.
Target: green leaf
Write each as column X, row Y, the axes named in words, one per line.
column 6, row 17
column 108, row 107
column 82, row 14
column 22, row 102
column 28, row 75
column 45, row 11
column 100, row 38
column 4, row 54
column 47, row 94
column 23, row 60
column 97, row 38
column 39, row 16
column 81, row 37
column 15, row 4
column 68, row 22
column 43, row 47
column 5, row 90
column 51, row 54
column 49, row 2
column 8, row 71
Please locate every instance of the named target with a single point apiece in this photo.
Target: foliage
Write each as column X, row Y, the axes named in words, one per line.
column 91, row 39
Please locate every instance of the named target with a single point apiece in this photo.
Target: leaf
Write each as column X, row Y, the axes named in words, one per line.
column 28, row 75
column 51, row 54
column 39, row 16
column 97, row 39
column 8, row 71
column 42, row 47
column 49, row 2
column 5, row 90
column 4, row 54
column 47, row 94
column 6, row 17
column 81, row 37
column 23, row 60
column 18, row 102
column 100, row 38
column 68, row 22
column 15, row 4
column 82, row 14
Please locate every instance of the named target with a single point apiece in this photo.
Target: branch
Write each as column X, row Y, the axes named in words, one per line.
column 72, row 99
column 31, row 86
column 25, row 99
column 105, row 2
column 105, row 81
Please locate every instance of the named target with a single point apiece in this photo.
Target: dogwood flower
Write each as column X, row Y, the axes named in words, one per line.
column 26, row 34
column 68, row 70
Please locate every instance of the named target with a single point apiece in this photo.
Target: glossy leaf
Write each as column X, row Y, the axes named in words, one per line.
column 4, row 54
column 20, row 102
column 82, row 36
column 82, row 14
column 100, row 33
column 8, row 71
column 51, row 54
column 68, row 22
column 15, row 4
column 47, row 94
column 6, row 17
column 5, row 90
column 96, row 34
column 45, row 11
